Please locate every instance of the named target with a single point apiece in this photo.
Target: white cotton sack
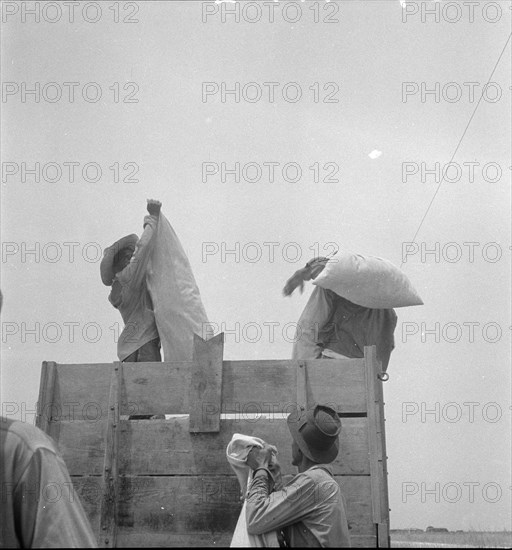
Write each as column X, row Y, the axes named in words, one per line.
column 368, row 281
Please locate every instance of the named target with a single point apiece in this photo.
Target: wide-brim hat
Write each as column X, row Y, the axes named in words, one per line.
column 111, row 255
column 316, row 432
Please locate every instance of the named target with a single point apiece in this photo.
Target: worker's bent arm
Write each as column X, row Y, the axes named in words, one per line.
column 268, row 511
column 386, row 342
column 379, row 325
column 316, row 315
column 134, row 273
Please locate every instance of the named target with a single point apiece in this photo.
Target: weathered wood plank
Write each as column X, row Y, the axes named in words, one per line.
column 199, row 508
column 210, row 504
column 376, row 445
column 173, row 540
column 302, row 386
column 151, row 388
column 198, row 540
column 363, row 541
column 155, row 388
column 109, row 501
column 205, row 384
column 165, row 447
column 81, row 444
column 371, row 378
column 356, row 492
column 89, row 490
column 179, row 504
column 383, row 536
column 46, row 395
column 81, row 392
column 247, row 386
column 339, row 383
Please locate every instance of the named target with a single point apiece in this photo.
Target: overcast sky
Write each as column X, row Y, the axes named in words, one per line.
column 367, row 97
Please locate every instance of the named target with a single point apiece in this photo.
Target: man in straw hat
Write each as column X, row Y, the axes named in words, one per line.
column 309, row 510
column 124, row 267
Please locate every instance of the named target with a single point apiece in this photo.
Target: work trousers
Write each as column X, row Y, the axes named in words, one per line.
column 150, row 351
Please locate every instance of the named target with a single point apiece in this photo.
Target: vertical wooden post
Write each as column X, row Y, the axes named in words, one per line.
column 383, row 536
column 302, row 392
column 46, row 395
column 206, row 384
column 376, row 447
column 108, row 514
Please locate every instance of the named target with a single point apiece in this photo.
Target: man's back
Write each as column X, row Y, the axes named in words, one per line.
column 39, row 506
column 310, row 508
column 351, row 327
column 327, row 520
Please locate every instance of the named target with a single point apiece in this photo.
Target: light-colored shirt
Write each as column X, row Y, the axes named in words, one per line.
column 39, row 508
column 131, row 297
column 309, row 509
column 332, row 322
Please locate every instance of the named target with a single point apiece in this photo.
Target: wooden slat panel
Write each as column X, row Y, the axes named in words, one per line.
column 81, row 391
column 302, row 386
column 371, row 378
column 383, row 535
column 204, row 508
column 363, row 541
column 82, row 445
column 339, row 383
column 166, row 447
column 187, row 505
column 205, row 384
column 172, row 540
column 383, row 527
column 46, row 395
column 146, row 505
column 109, row 500
column 155, row 388
column 89, row 490
column 151, row 388
column 375, row 424
column 197, row 540
column 356, row 491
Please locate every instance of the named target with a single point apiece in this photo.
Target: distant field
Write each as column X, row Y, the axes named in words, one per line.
column 470, row 539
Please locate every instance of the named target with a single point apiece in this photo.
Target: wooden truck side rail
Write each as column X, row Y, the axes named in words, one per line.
column 166, row 481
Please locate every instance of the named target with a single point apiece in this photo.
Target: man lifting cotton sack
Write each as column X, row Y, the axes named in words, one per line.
column 351, row 306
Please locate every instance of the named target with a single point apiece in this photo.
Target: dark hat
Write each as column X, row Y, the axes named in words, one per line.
column 111, row 255
column 316, row 432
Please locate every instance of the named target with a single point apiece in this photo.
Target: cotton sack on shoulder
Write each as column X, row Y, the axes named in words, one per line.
column 368, row 281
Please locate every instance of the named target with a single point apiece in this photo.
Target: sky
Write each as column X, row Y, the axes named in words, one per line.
column 357, row 107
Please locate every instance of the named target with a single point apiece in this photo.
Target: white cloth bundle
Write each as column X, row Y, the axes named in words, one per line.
column 236, row 453
column 179, row 311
